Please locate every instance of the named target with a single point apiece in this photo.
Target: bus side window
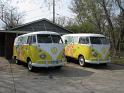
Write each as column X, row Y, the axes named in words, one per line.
column 24, row 40
column 31, row 40
column 19, row 40
column 70, row 39
column 83, row 40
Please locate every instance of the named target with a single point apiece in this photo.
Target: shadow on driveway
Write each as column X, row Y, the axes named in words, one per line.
column 109, row 66
column 64, row 72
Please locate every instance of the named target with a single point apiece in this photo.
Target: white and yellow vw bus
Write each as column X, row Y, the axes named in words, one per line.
column 87, row 48
column 39, row 49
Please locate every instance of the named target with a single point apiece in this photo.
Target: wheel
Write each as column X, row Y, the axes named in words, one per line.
column 81, row 61
column 30, row 67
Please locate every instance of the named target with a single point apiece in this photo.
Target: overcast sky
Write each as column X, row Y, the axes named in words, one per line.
column 37, row 9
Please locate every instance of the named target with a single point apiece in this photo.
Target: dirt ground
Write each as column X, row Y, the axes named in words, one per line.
column 70, row 79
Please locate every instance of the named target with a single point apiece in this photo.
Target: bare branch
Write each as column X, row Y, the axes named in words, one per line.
column 9, row 15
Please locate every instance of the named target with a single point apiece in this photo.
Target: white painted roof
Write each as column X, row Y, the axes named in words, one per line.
column 85, row 34
column 40, row 32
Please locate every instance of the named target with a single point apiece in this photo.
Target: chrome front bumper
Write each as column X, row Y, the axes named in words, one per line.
column 97, row 62
column 47, row 64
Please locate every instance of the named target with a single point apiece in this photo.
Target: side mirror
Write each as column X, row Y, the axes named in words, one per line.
column 66, row 41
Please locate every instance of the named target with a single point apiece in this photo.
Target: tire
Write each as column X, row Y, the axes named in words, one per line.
column 81, row 61
column 30, row 67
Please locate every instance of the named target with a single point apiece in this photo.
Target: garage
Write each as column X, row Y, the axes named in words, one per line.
column 7, row 37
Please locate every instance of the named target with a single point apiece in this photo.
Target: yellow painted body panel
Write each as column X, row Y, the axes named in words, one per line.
column 22, row 52
column 40, row 51
column 75, row 50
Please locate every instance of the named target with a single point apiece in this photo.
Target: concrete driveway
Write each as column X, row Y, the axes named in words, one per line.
column 70, row 79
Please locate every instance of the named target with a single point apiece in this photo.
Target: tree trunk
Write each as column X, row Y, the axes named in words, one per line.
column 110, row 27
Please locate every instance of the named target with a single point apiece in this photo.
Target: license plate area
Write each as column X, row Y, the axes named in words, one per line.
column 54, row 62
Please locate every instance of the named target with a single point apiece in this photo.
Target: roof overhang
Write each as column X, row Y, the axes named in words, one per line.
column 18, row 32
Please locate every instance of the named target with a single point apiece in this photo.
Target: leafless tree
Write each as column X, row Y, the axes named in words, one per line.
column 103, row 15
column 120, row 4
column 9, row 15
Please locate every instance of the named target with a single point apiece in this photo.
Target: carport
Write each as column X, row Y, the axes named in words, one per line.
column 6, row 42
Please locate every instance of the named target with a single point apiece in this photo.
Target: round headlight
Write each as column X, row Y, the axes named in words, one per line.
column 43, row 56
column 94, row 53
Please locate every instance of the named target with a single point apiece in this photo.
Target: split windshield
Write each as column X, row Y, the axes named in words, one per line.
column 99, row 40
column 47, row 38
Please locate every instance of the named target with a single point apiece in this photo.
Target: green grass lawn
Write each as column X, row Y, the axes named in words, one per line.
column 118, row 60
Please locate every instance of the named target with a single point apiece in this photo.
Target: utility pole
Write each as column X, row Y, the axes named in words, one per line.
column 53, row 11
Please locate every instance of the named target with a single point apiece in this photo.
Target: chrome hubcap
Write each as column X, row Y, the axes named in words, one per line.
column 81, row 61
column 29, row 65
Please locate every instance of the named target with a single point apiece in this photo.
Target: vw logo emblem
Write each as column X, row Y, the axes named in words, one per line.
column 54, row 50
